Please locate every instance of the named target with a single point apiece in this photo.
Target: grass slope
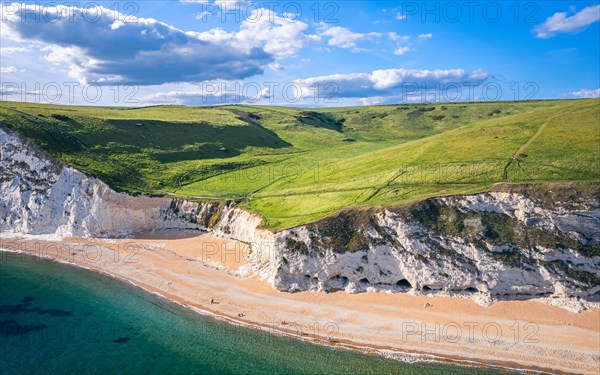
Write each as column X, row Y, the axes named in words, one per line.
column 295, row 166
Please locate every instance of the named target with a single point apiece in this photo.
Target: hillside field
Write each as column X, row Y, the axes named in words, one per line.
column 296, row 165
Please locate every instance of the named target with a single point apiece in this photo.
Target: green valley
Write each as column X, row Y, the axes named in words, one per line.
column 297, row 165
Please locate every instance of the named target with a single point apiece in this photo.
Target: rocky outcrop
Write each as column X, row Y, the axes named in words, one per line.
column 40, row 196
column 43, row 197
column 511, row 243
column 508, row 244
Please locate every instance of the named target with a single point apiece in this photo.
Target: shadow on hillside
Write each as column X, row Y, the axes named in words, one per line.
column 174, row 142
column 320, row 120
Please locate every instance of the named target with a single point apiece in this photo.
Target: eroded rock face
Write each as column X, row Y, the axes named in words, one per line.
column 511, row 243
column 38, row 196
column 495, row 245
column 42, row 197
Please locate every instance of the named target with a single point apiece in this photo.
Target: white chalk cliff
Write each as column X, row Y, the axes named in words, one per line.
column 512, row 243
column 41, row 197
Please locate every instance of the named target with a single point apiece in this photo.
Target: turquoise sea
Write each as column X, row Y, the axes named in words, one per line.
column 59, row 319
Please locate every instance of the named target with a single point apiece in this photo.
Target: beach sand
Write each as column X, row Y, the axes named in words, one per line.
column 193, row 269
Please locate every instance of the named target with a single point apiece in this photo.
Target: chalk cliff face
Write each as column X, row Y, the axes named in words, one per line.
column 511, row 243
column 496, row 245
column 42, row 197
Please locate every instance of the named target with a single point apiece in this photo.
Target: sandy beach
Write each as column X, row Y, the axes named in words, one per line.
column 208, row 275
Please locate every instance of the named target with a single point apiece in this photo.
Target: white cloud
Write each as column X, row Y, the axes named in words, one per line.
column 263, row 29
column 377, row 87
column 400, row 16
column 211, row 93
column 586, row 93
column 223, row 4
column 343, row 37
column 202, row 15
column 560, row 23
column 388, row 82
column 398, row 38
column 374, row 100
column 401, row 50
column 276, row 67
column 390, row 78
column 274, row 34
column 425, row 36
column 230, row 4
column 8, row 69
column 148, row 52
column 11, row 50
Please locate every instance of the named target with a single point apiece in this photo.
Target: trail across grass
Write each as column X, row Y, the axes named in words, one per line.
column 294, row 166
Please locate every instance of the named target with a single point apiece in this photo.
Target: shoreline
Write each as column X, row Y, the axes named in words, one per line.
column 224, row 314
column 371, row 350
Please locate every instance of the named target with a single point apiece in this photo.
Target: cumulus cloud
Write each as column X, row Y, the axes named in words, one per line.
column 343, row 37
column 146, row 51
column 375, row 100
column 586, row 93
column 7, row 69
column 188, row 98
column 377, row 87
column 276, row 35
column 212, row 93
column 560, row 23
column 264, row 30
column 202, row 15
column 401, row 50
column 387, row 82
column 398, row 38
column 12, row 50
column 425, row 36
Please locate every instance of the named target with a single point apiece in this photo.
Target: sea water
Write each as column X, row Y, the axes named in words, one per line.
column 59, row 319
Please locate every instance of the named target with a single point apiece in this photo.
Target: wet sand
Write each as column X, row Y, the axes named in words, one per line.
column 195, row 270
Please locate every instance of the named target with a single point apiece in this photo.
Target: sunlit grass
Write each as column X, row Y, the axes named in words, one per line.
column 295, row 165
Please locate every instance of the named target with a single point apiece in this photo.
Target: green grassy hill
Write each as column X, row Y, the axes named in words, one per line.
column 298, row 165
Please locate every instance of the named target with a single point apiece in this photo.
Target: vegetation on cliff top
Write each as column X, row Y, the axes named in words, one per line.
column 295, row 166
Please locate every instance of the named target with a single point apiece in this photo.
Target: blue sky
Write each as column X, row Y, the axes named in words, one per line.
column 199, row 52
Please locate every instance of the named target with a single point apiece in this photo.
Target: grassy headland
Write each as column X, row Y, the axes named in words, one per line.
column 295, row 166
